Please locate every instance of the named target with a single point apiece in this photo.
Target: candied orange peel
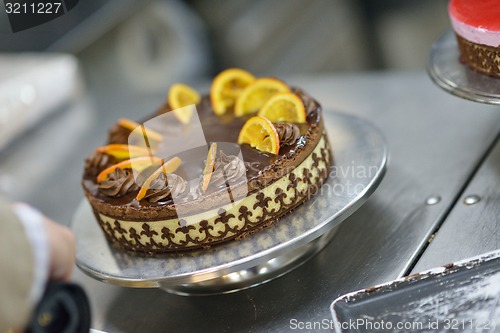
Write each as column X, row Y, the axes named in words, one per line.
column 209, row 166
column 138, row 164
column 124, row 151
column 132, row 125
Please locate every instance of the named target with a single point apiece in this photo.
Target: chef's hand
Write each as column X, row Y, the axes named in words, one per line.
column 53, row 248
column 58, row 243
column 61, row 242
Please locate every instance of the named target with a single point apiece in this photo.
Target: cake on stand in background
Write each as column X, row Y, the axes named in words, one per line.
column 466, row 60
column 476, row 24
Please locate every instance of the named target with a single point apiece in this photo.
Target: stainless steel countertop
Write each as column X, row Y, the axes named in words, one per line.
column 436, row 142
column 473, row 225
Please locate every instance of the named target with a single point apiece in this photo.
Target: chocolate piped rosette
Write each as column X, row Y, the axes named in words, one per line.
column 264, row 152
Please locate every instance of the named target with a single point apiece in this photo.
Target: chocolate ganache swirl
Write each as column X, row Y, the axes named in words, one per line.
column 227, row 169
column 310, row 105
column 166, row 187
column 287, row 133
column 98, row 162
column 118, row 183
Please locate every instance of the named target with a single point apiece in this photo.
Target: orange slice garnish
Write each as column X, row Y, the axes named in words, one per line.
column 122, row 151
column 132, row 125
column 168, row 167
column 209, row 166
column 284, row 107
column 179, row 96
column 260, row 133
column 256, row 94
column 138, row 164
column 226, row 87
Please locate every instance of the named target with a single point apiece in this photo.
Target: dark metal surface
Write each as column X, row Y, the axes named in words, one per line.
column 462, row 297
column 473, row 226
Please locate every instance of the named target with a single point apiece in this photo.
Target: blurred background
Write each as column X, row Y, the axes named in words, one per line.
column 153, row 43
column 117, row 58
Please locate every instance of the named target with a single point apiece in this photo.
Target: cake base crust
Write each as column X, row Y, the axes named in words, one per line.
column 482, row 58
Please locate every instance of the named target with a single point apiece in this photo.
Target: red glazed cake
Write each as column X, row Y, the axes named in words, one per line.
column 267, row 151
column 476, row 24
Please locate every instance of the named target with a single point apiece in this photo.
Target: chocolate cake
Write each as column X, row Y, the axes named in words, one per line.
column 261, row 186
column 476, row 24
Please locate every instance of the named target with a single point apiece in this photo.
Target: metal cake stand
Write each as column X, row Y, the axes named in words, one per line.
column 449, row 73
column 360, row 157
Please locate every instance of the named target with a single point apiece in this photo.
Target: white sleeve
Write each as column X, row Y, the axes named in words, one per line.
column 32, row 221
